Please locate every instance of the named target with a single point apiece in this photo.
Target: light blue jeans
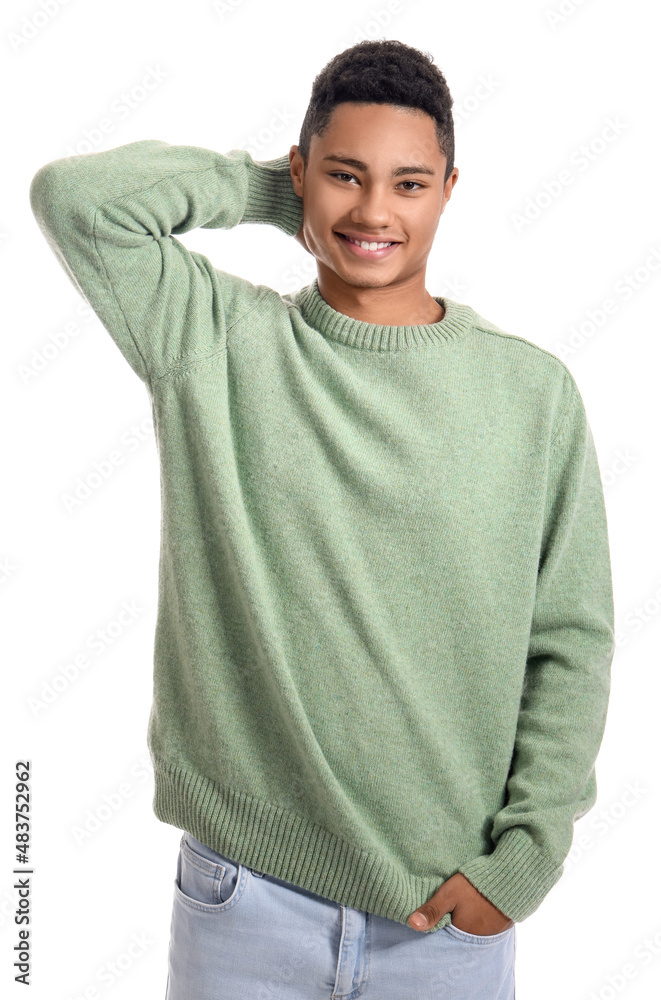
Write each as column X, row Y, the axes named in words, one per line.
column 236, row 933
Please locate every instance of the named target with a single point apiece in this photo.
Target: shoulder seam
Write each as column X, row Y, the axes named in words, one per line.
column 115, row 297
column 529, row 343
column 179, row 366
column 249, row 310
column 567, row 374
column 563, row 408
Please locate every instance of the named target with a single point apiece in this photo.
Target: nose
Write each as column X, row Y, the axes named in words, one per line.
column 372, row 210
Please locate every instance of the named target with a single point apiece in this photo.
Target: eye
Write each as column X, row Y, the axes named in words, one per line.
column 340, row 174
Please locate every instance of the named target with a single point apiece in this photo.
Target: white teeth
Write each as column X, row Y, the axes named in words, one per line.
column 368, row 246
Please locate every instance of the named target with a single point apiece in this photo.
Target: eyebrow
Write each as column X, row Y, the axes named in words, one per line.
column 417, row 168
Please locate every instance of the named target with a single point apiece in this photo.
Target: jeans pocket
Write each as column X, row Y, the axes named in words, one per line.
column 462, row 935
column 205, row 879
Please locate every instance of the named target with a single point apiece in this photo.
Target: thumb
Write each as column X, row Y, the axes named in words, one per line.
column 431, row 912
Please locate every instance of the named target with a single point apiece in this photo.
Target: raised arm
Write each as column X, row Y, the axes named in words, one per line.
column 110, row 218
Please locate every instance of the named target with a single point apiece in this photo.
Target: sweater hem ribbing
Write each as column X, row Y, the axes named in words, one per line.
column 269, row 839
column 278, row 842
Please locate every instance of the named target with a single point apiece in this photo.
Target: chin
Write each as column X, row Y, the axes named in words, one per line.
column 364, row 276
column 365, row 281
column 358, row 276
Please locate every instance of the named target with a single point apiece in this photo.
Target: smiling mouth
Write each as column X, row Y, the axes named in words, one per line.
column 369, row 244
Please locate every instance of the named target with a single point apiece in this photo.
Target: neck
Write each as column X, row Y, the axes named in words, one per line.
column 405, row 303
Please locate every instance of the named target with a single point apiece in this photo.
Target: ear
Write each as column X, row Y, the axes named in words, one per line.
column 297, row 170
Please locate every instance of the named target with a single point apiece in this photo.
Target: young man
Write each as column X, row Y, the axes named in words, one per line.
column 385, row 619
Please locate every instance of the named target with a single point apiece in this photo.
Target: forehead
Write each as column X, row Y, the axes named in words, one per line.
column 363, row 123
column 380, row 136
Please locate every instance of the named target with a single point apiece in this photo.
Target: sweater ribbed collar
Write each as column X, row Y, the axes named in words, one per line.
column 456, row 323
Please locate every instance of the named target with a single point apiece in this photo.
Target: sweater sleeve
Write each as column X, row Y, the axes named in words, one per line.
column 110, row 217
column 566, row 688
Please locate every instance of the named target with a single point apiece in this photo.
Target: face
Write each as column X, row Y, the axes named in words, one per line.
column 376, row 174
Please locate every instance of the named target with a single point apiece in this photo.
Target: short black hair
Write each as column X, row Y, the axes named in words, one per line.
column 382, row 71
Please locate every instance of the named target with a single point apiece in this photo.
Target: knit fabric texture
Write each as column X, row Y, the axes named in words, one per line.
column 385, row 615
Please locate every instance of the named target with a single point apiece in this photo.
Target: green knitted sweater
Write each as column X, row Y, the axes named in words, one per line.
column 385, row 620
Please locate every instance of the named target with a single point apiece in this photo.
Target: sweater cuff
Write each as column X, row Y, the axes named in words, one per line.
column 271, row 196
column 516, row 876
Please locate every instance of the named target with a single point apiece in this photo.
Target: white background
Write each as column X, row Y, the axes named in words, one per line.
column 556, row 73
